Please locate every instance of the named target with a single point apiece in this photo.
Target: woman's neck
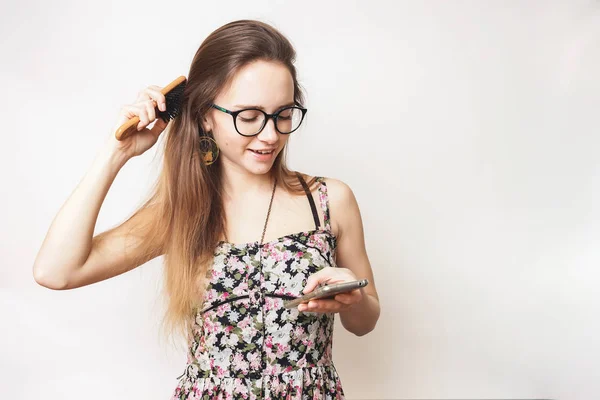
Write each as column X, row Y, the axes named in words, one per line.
column 238, row 182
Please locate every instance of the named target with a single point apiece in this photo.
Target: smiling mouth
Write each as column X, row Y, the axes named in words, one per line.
column 262, row 151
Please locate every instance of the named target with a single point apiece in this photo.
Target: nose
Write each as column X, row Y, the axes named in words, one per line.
column 269, row 134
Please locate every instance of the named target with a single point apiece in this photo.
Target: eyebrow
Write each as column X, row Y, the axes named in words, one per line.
column 241, row 106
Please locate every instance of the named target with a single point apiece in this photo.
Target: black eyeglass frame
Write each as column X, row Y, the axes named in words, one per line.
column 273, row 116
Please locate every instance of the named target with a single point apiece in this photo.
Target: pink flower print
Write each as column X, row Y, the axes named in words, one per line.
column 254, row 359
column 280, row 350
column 269, row 341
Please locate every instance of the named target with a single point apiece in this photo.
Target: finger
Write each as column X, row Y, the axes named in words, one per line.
column 153, row 93
column 143, row 115
column 349, row 298
column 325, row 306
column 158, row 127
column 159, row 98
column 142, row 96
column 131, row 110
column 150, row 110
column 316, row 279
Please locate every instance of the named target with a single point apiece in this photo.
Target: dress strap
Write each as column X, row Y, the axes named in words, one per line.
column 324, row 199
column 311, row 201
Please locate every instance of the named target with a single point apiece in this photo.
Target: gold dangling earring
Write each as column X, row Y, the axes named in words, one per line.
column 208, row 149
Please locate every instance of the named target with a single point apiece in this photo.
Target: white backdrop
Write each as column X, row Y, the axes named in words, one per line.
column 468, row 131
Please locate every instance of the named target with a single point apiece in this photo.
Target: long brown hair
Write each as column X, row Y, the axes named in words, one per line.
column 187, row 218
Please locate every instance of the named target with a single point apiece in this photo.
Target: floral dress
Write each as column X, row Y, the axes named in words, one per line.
column 244, row 343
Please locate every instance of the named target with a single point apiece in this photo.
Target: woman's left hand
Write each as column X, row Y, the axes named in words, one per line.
column 341, row 301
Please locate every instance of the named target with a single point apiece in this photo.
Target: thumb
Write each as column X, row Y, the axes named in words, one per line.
column 158, row 127
column 314, row 280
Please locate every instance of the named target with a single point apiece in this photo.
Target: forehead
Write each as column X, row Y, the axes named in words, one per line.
column 264, row 83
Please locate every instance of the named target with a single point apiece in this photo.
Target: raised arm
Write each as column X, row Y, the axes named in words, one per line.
column 70, row 256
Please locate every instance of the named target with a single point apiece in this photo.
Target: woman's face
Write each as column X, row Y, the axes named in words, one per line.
column 260, row 84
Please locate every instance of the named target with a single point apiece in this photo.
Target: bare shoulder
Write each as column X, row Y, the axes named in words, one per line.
column 336, row 189
column 343, row 207
column 339, row 192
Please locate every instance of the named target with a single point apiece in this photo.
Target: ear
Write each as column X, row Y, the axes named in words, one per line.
column 205, row 124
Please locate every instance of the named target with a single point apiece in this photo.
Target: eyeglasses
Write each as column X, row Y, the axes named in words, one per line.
column 251, row 121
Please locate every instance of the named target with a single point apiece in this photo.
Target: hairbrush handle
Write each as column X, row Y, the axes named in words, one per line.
column 130, row 127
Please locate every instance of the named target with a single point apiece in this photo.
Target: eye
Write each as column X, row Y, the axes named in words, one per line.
column 248, row 119
column 286, row 114
column 250, row 115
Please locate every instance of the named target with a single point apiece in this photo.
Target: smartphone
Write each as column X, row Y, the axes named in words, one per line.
column 326, row 292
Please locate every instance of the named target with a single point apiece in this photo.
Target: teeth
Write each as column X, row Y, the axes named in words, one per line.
column 263, row 152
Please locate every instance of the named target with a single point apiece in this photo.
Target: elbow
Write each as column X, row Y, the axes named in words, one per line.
column 362, row 333
column 364, row 325
column 363, row 330
column 44, row 277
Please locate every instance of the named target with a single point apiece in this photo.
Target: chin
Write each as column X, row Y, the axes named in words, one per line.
column 259, row 167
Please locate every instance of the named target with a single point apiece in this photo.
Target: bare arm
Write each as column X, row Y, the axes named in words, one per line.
column 351, row 253
column 359, row 309
column 70, row 256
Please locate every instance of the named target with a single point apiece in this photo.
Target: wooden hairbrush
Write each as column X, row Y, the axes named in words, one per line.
column 173, row 93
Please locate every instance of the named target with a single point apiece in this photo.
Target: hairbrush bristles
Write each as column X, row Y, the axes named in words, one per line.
column 173, row 99
column 173, row 93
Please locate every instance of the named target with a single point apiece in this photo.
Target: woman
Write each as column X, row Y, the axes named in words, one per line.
column 240, row 233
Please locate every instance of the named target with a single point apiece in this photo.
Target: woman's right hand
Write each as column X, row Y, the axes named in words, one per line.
column 144, row 108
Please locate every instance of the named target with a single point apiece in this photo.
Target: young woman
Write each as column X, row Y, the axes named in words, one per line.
column 240, row 232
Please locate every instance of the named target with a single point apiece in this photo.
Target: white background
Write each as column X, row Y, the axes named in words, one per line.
column 468, row 131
